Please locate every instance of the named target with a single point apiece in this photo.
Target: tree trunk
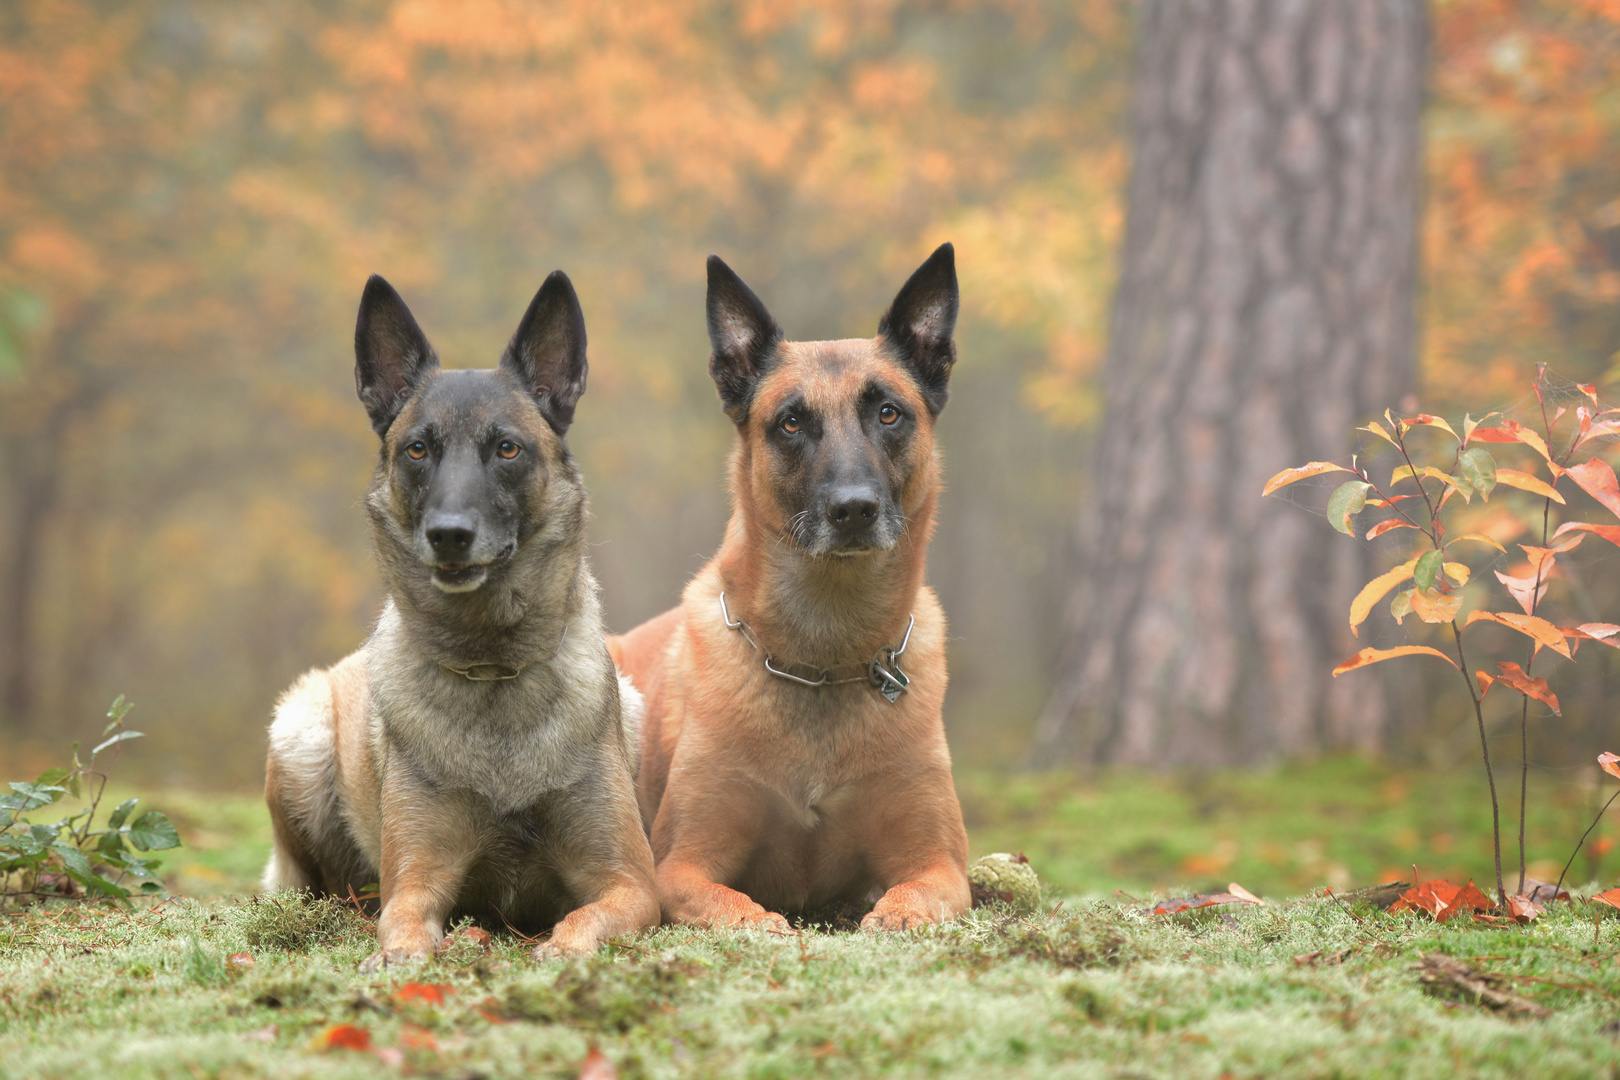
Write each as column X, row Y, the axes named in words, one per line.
column 1265, row 307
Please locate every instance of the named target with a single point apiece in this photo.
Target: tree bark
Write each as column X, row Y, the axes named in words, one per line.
column 1266, row 305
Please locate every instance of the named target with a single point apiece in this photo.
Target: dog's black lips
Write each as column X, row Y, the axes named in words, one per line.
column 456, row 573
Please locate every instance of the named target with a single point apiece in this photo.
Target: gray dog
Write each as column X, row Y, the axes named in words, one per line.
column 477, row 754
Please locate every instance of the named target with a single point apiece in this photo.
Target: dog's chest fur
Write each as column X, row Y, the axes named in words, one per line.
column 510, row 741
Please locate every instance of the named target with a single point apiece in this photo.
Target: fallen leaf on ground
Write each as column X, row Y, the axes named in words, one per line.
column 596, row 1066
column 1522, row 908
column 345, row 1037
column 1443, row 900
column 432, row 993
column 237, row 963
column 1543, row 892
column 1612, row 898
column 412, row 1037
column 1202, row 900
column 1243, row 894
column 1322, row 958
column 1446, row 976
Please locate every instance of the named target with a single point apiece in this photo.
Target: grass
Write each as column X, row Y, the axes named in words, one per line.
column 1096, row 988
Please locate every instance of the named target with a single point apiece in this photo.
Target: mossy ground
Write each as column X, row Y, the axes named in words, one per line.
column 1096, row 988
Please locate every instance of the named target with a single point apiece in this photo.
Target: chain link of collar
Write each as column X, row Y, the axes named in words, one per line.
column 883, row 672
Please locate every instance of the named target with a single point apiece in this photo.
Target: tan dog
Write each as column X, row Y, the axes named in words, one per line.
column 777, row 773
column 475, row 754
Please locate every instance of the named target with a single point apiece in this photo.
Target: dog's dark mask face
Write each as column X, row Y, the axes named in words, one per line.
column 467, row 454
column 840, row 430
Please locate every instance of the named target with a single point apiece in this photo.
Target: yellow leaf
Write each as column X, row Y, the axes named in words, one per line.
column 1525, row 482
column 1478, row 538
column 1288, row 476
column 1536, row 629
column 1458, row 572
column 1433, row 606
column 1374, row 591
column 1374, row 656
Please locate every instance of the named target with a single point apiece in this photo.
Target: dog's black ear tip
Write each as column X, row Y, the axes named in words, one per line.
column 376, row 286
column 557, row 279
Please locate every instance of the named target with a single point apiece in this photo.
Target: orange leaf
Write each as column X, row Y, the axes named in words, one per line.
column 432, row 993
column 1597, row 480
column 1610, row 763
column 1510, row 431
column 1433, row 606
column 1385, row 526
column 1537, row 629
column 596, row 1066
column 1442, row 899
column 1288, row 476
column 1612, row 898
column 346, row 1037
column 1528, row 685
column 1611, row 533
column 412, row 1037
column 1243, row 894
column 1484, row 681
column 1373, row 656
column 1525, row 482
column 1431, row 421
column 237, row 963
column 1523, row 909
column 1375, row 590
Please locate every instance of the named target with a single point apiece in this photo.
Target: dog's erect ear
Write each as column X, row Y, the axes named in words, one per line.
column 921, row 320
column 391, row 354
column 548, row 351
column 743, row 336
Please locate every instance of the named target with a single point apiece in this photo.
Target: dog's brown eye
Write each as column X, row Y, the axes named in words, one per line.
column 888, row 414
column 508, row 449
column 791, row 425
column 416, row 451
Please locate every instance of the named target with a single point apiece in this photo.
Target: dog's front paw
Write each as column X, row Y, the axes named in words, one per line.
column 563, row 944
column 386, row 958
column 896, row 919
column 767, row 920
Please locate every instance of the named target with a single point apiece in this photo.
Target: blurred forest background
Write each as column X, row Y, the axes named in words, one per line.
column 192, row 195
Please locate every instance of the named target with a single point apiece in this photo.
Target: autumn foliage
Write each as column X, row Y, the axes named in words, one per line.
column 1438, row 499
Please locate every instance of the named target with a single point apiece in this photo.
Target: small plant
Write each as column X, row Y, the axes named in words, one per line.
column 71, row 856
column 1432, row 503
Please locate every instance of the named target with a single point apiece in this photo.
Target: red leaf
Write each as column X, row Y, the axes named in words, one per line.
column 239, row 962
column 1442, row 899
column 1611, row 533
column 1431, row 421
column 432, row 993
column 1528, row 685
column 1610, row 763
column 1612, row 898
column 1598, row 480
column 596, row 1066
column 346, row 1037
column 1510, row 431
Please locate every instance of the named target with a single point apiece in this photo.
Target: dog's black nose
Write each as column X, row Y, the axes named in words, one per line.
column 452, row 537
column 852, row 509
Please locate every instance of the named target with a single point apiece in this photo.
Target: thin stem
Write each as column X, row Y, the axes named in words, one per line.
column 1582, row 841
column 1490, row 776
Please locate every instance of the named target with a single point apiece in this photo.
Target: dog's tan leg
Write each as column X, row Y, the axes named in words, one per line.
column 701, row 843
column 429, row 839
column 911, row 829
column 605, row 861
